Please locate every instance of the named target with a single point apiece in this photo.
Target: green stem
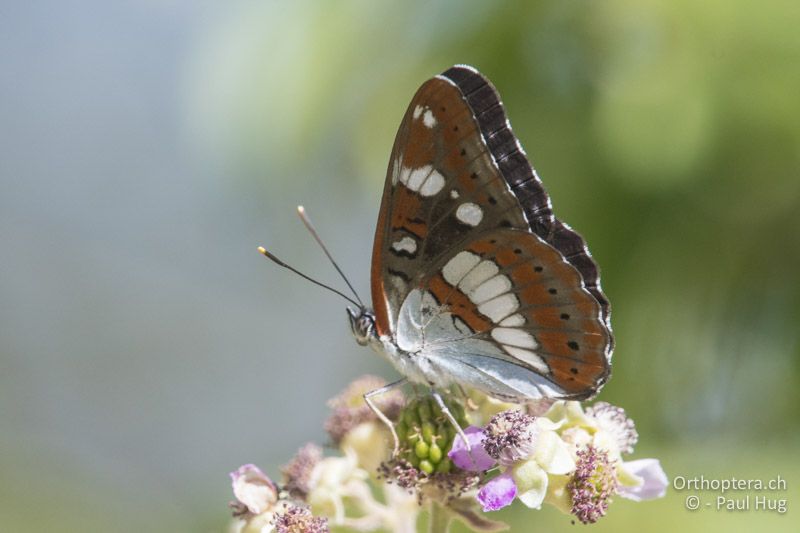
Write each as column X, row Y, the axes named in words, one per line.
column 439, row 521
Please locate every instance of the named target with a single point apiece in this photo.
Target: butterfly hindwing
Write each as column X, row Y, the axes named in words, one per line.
column 512, row 290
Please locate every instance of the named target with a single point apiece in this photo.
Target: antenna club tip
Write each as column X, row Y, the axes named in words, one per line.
column 301, row 209
column 262, row 250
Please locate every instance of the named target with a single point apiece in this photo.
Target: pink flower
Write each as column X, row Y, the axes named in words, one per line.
column 498, row 492
column 654, row 480
column 253, row 489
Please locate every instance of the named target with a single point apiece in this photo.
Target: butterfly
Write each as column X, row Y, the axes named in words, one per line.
column 474, row 281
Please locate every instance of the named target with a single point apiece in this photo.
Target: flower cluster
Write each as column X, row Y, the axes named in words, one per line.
column 549, row 452
column 566, row 456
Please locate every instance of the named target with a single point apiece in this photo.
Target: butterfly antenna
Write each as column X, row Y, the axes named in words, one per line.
column 278, row 262
column 310, row 227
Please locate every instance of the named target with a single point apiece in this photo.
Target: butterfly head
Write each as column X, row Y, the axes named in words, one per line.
column 362, row 324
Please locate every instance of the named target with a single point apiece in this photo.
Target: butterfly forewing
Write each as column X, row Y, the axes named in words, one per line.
column 442, row 186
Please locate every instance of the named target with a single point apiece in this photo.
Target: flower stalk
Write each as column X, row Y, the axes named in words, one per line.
column 439, row 520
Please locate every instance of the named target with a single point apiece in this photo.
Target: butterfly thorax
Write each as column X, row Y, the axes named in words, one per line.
column 410, row 363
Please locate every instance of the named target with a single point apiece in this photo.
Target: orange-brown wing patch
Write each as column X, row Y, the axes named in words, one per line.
column 458, row 303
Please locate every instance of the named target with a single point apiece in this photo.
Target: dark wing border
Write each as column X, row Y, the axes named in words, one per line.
column 511, row 160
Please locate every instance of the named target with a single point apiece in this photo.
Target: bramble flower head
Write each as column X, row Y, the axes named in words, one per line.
column 297, row 473
column 296, row 519
column 615, row 422
column 592, row 485
column 254, row 491
column 425, row 465
column 527, row 448
column 606, row 427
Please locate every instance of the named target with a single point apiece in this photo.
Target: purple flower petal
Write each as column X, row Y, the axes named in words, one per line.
column 253, row 488
column 474, row 460
column 655, row 480
column 249, row 470
column 497, row 492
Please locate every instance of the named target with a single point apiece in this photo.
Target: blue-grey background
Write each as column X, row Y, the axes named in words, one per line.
column 147, row 147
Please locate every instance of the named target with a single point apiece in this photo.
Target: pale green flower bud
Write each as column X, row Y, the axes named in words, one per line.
column 426, row 435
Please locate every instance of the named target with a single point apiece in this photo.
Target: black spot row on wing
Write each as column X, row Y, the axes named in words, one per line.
column 515, row 168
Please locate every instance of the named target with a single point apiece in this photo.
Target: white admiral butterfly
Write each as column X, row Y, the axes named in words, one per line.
column 474, row 280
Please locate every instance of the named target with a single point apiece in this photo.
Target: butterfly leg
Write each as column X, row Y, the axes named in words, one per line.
column 451, row 418
column 382, row 417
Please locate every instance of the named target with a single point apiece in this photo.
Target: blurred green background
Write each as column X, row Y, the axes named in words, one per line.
column 149, row 146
